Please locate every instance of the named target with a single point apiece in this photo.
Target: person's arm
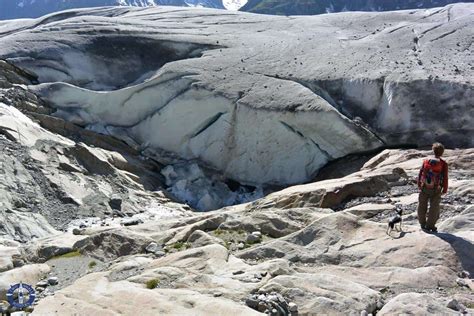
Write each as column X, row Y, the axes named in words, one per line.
column 445, row 178
column 419, row 176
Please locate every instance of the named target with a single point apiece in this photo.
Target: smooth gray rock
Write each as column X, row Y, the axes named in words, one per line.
column 43, row 283
column 251, row 238
column 53, row 280
column 132, row 222
column 155, row 249
column 199, row 239
column 328, row 294
column 293, row 307
column 109, row 245
column 414, row 303
column 455, row 305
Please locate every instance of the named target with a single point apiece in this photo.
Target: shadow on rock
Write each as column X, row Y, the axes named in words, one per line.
column 401, row 235
column 464, row 250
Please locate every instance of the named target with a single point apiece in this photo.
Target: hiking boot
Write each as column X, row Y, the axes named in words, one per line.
column 434, row 230
column 423, row 227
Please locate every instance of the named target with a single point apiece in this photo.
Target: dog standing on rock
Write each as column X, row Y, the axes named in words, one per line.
column 394, row 221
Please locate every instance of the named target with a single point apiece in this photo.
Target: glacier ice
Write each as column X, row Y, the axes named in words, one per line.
column 226, row 90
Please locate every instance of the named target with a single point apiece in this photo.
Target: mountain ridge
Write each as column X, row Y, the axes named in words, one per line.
column 16, row 9
column 31, row 9
column 305, row 7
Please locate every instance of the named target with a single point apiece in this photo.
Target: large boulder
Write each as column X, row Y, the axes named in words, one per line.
column 112, row 244
column 416, row 304
column 324, row 294
column 43, row 249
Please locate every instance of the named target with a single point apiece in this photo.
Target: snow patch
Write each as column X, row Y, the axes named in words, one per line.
column 234, row 5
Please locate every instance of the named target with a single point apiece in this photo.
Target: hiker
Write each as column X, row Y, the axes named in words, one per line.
column 432, row 182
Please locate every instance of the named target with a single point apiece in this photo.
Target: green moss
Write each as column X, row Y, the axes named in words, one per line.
column 71, row 254
column 218, row 232
column 92, row 264
column 152, row 284
column 181, row 245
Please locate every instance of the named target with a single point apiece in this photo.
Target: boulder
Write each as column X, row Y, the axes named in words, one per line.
column 331, row 193
column 199, row 239
column 208, row 223
column 416, row 304
column 395, row 279
column 324, row 293
column 41, row 250
column 112, row 244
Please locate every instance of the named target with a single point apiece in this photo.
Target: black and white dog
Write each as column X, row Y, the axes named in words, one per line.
column 397, row 219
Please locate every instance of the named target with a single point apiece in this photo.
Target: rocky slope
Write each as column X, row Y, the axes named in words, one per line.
column 193, row 84
column 16, row 9
column 88, row 212
column 319, row 248
column 305, row 7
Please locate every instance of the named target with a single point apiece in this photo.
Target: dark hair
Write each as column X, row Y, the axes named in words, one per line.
column 438, row 149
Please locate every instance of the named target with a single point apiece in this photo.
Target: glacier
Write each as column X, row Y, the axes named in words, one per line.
column 262, row 109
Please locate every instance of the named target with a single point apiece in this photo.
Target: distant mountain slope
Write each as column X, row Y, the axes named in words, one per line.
column 311, row 7
column 14, row 9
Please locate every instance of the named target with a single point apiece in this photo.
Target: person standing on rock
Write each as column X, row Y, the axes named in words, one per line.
column 432, row 182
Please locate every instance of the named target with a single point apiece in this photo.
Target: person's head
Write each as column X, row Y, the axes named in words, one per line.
column 438, row 149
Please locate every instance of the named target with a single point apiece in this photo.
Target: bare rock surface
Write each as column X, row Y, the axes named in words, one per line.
column 89, row 216
column 321, row 260
column 114, row 297
column 326, row 293
column 61, row 176
column 417, row 304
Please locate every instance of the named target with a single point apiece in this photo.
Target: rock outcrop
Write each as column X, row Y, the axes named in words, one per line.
column 310, row 259
column 61, row 176
column 86, row 219
column 274, row 112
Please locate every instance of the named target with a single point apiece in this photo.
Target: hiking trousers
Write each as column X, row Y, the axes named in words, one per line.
column 429, row 218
